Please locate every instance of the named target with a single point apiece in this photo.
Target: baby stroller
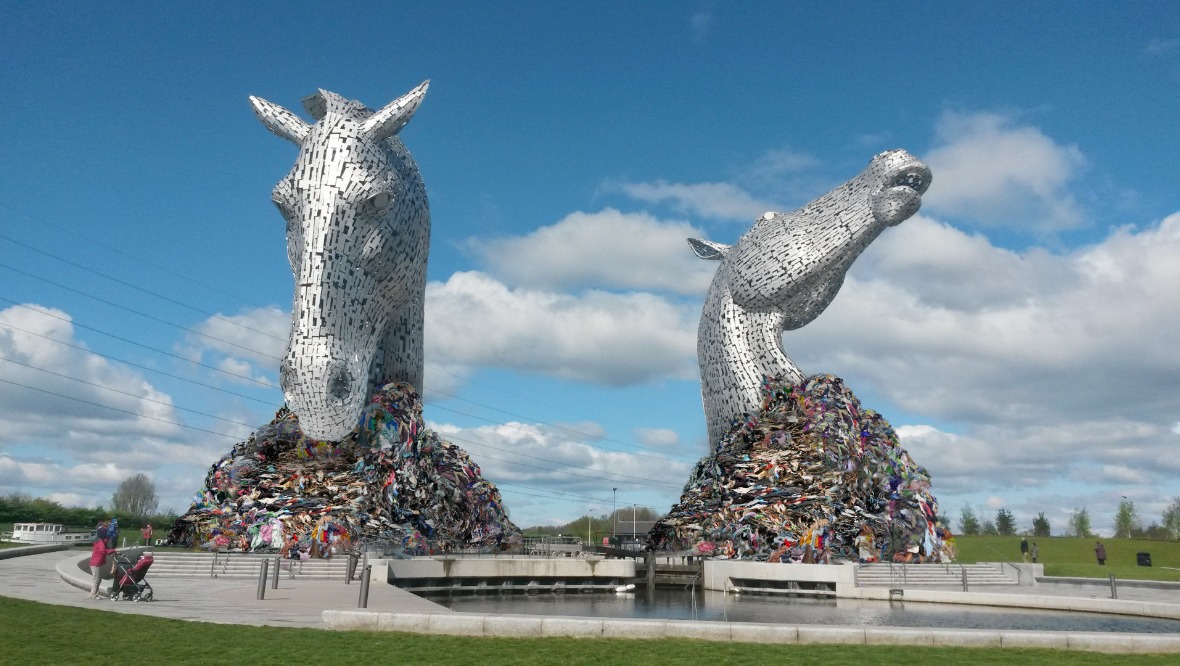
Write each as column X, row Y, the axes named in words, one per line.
column 129, row 582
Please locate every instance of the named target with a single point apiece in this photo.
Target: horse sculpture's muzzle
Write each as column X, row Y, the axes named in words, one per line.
column 326, row 386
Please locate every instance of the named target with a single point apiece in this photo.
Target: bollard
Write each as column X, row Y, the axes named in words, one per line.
column 262, row 579
column 274, row 583
column 650, row 557
column 364, row 600
column 1114, row 592
column 964, row 569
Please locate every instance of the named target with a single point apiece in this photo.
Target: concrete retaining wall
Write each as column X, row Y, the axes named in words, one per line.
column 517, row 626
column 719, row 572
column 439, row 567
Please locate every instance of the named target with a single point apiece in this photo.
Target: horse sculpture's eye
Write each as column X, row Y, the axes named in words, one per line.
column 380, row 201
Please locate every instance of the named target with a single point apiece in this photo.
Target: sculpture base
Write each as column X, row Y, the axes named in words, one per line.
column 391, row 482
column 802, row 481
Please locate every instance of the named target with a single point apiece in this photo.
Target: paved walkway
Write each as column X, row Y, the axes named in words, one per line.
column 54, row 578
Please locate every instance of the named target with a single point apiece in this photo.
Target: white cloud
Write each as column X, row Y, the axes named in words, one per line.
column 69, row 391
column 544, row 459
column 612, row 339
column 658, row 437
column 240, row 368
column 1162, row 47
column 717, row 201
column 1051, row 368
column 607, row 249
column 991, row 170
column 248, row 344
column 700, row 24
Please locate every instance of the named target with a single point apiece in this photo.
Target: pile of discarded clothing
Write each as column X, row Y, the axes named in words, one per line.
column 392, row 483
column 812, row 478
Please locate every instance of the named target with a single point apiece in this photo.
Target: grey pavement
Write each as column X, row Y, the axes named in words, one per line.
column 54, row 578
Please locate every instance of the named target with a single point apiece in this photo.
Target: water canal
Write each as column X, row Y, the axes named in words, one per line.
column 718, row 606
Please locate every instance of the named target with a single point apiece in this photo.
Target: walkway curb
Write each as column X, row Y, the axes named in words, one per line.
column 19, row 551
column 1039, row 602
column 533, row 626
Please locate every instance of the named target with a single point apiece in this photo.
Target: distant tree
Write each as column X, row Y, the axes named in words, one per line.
column 135, row 497
column 1079, row 523
column 1041, row 525
column 1154, row 531
column 1005, row 523
column 1171, row 521
column 1126, row 522
column 968, row 523
column 989, row 528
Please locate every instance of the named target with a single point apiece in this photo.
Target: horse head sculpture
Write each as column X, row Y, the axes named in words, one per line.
column 358, row 233
column 782, row 273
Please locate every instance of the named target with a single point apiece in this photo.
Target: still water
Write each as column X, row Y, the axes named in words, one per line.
column 717, row 606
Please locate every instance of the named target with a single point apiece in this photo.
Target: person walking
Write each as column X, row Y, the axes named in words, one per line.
column 1024, row 548
column 1033, row 552
column 98, row 558
column 1100, row 553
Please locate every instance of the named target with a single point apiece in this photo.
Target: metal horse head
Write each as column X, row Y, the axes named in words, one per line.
column 782, row 273
column 358, row 232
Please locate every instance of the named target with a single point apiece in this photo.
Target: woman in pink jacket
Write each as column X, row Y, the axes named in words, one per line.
column 98, row 558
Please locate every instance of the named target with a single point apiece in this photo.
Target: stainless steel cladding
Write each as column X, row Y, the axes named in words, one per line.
column 782, row 273
column 358, row 234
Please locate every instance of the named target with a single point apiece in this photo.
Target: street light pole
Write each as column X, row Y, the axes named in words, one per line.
column 589, row 518
column 614, row 511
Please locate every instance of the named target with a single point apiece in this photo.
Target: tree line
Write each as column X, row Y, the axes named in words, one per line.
column 135, row 502
column 1127, row 523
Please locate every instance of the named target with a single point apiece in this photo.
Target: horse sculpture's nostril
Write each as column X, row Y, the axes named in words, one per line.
column 339, row 382
column 287, row 377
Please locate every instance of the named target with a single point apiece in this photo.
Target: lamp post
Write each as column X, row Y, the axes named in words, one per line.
column 614, row 511
column 589, row 520
column 633, row 534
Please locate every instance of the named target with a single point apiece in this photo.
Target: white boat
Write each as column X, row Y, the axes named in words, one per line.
column 42, row 533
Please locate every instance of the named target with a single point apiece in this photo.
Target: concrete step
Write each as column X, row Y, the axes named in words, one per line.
column 242, row 565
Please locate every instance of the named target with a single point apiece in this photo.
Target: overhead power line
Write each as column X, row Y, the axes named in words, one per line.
column 139, row 366
column 138, row 288
column 132, row 395
column 142, row 314
column 137, row 344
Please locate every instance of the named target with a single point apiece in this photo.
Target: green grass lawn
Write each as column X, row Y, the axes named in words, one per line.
column 42, row 634
column 1070, row 556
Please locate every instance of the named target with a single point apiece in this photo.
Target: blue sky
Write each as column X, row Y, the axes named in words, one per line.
column 1020, row 331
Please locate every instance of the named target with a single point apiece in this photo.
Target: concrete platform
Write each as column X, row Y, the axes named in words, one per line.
column 56, row 578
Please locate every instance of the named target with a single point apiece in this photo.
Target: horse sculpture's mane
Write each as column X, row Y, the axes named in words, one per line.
column 358, row 232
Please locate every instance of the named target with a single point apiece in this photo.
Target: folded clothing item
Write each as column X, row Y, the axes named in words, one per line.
column 801, row 480
column 391, row 481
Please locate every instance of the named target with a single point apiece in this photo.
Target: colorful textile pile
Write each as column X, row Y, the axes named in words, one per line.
column 802, row 481
column 391, row 482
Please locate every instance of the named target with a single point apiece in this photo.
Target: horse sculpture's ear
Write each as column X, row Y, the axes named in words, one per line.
column 279, row 120
column 389, row 121
column 708, row 249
